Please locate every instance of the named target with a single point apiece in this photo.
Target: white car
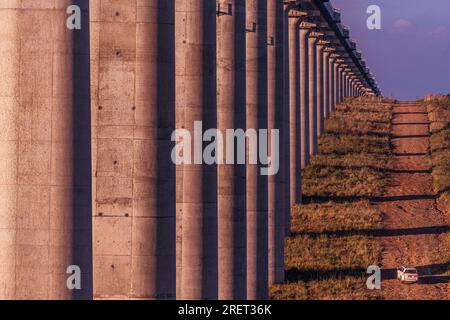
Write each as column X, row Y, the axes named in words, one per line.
column 407, row 274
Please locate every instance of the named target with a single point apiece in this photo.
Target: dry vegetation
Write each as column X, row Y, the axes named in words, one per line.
column 332, row 243
column 439, row 115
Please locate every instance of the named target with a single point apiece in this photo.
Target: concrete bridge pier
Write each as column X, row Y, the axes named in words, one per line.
column 332, row 82
column 232, row 261
column 257, row 184
column 294, row 114
column 196, row 85
column 134, row 183
column 304, row 94
column 45, row 215
column 275, row 110
column 326, row 83
column 313, row 106
column 320, row 87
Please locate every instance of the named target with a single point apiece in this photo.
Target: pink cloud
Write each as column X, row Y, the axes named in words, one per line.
column 440, row 31
column 402, row 25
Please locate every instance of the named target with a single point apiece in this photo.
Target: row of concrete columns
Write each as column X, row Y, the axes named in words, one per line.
column 86, row 142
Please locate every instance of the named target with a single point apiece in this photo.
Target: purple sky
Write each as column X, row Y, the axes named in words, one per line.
column 410, row 55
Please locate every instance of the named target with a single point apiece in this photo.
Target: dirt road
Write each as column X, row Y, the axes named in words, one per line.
column 414, row 224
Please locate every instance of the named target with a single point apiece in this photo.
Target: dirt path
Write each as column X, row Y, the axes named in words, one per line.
column 414, row 223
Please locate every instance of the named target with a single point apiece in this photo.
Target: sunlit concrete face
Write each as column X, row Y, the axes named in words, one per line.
column 44, row 199
column 294, row 109
column 133, row 118
column 304, row 96
column 312, row 85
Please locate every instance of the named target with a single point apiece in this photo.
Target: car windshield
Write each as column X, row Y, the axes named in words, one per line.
column 411, row 270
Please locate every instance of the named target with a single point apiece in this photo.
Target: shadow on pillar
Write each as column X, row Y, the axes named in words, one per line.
column 165, row 280
column 209, row 181
column 82, row 164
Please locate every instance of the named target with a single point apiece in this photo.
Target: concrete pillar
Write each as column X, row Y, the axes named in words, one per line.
column 304, row 96
column 320, row 90
column 288, row 47
column 312, row 59
column 180, row 71
column 134, row 181
column 257, row 215
column 336, row 84
column 339, row 84
column 326, row 83
column 45, row 214
column 294, row 100
column 231, row 178
column 332, row 83
column 344, row 84
column 348, row 85
column 196, row 89
column 275, row 33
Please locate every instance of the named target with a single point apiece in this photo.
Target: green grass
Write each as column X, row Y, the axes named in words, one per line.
column 331, row 246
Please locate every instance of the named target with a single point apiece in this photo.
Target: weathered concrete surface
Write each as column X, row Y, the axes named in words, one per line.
column 196, row 91
column 326, row 83
column 312, row 64
column 287, row 117
column 304, row 97
column 232, row 264
column 320, row 90
column 275, row 112
column 45, row 190
column 294, row 114
column 134, row 180
column 257, row 188
column 332, row 83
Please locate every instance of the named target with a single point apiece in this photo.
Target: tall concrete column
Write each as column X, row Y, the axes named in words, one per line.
column 336, row 84
column 320, row 89
column 339, row 84
column 257, row 189
column 313, row 114
column 304, row 95
column 294, row 100
column 288, row 47
column 332, row 83
column 348, row 84
column 344, row 80
column 134, row 184
column 326, row 83
column 275, row 76
column 196, row 89
column 45, row 181
column 232, row 264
